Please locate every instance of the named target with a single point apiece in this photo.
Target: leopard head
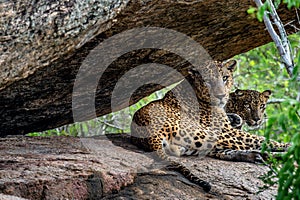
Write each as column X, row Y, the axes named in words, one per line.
column 250, row 105
column 226, row 72
column 214, row 86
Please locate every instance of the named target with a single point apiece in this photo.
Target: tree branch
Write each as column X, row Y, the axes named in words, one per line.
column 281, row 42
column 273, row 101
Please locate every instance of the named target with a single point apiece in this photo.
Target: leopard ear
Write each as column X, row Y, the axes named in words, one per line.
column 230, row 65
column 267, row 93
column 239, row 92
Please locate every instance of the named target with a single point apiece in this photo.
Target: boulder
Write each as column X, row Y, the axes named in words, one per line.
column 109, row 167
column 46, row 44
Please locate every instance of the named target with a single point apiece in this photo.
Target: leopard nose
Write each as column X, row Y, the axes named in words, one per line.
column 256, row 119
column 220, row 96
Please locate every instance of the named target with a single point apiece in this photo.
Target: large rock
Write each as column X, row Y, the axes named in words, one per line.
column 43, row 44
column 111, row 168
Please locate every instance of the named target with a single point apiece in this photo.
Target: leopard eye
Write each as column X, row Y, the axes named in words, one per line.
column 225, row 78
column 262, row 106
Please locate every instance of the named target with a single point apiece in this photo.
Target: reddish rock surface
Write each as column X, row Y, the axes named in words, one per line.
column 111, row 168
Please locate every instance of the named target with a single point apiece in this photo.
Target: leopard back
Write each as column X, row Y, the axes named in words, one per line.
column 172, row 118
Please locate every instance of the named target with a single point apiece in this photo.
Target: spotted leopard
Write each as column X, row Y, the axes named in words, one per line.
column 180, row 124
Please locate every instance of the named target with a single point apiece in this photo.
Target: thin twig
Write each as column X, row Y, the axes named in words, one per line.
column 285, row 44
column 282, row 43
column 273, row 101
column 297, row 16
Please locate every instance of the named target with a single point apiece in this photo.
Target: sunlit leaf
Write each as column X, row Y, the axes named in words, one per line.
column 251, row 10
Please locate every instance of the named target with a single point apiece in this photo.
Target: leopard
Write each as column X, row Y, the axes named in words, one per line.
column 189, row 122
column 250, row 105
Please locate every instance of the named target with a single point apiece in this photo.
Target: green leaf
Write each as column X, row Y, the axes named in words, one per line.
column 251, row 10
column 261, row 12
column 277, row 3
column 281, row 122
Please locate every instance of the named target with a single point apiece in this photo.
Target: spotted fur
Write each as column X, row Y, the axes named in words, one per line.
column 182, row 125
column 250, row 105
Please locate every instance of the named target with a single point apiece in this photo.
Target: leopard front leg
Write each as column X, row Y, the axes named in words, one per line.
column 246, row 141
column 237, row 145
column 252, row 156
column 178, row 167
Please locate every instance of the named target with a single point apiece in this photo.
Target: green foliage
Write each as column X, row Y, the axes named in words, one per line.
column 266, row 7
column 284, row 118
column 285, row 172
column 261, row 11
column 260, row 69
column 251, row 10
column 292, row 3
column 289, row 174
